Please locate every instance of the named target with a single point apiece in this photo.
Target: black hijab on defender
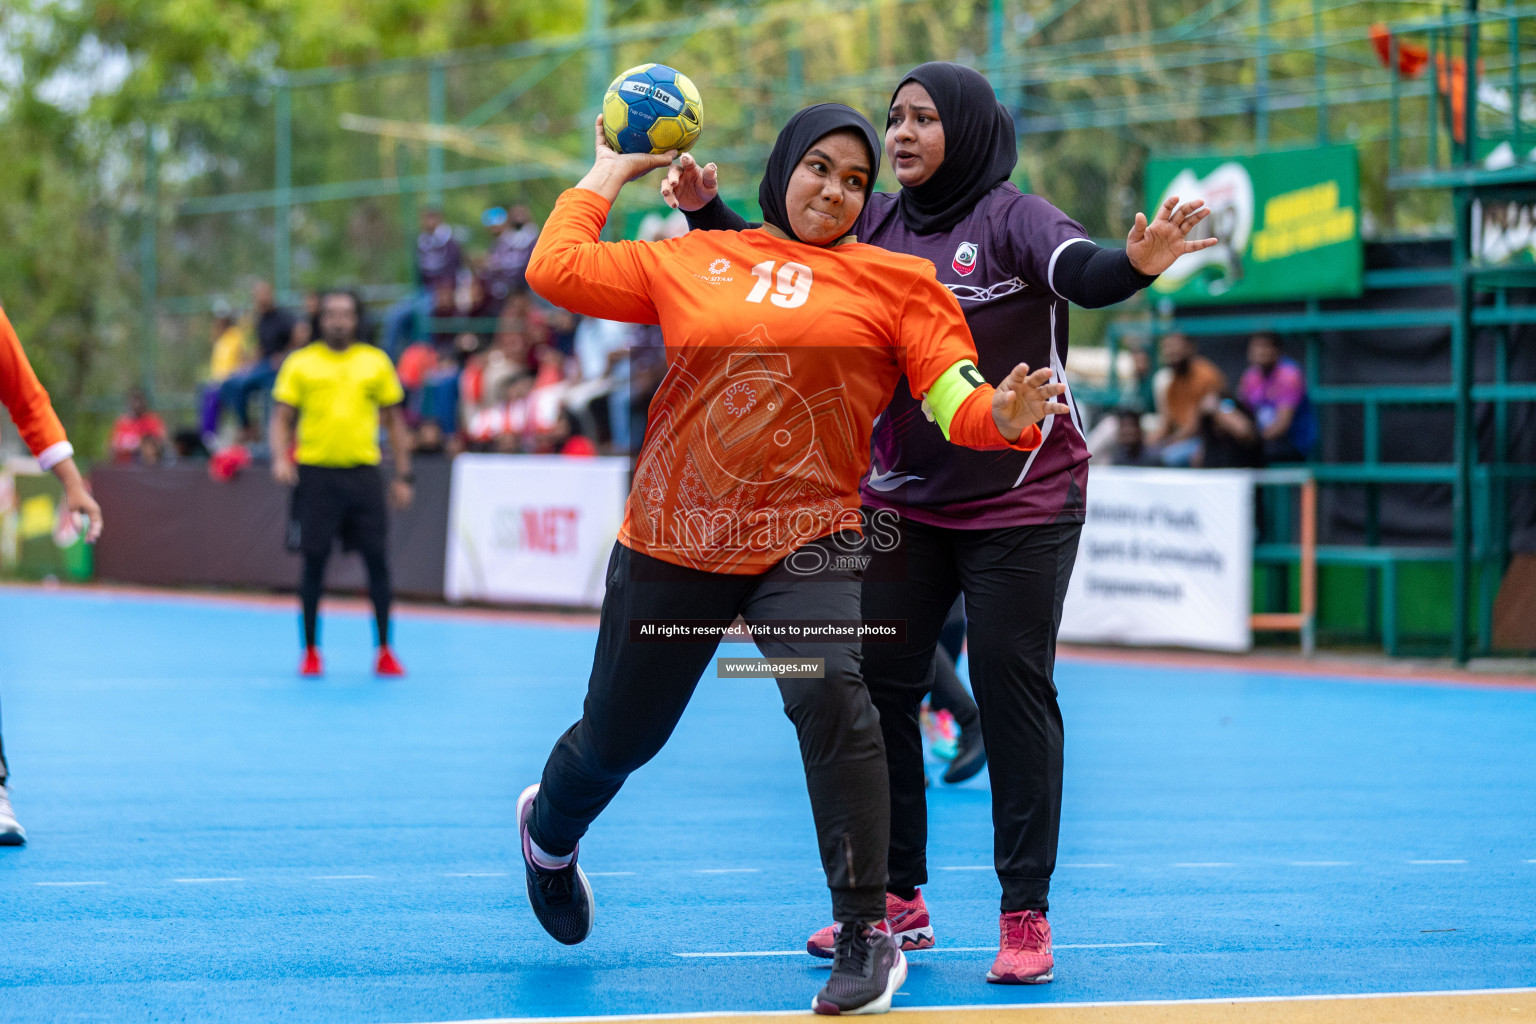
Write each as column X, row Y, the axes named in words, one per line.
column 795, row 140
column 980, row 147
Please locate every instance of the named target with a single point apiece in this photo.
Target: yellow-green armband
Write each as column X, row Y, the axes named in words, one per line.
column 942, row 400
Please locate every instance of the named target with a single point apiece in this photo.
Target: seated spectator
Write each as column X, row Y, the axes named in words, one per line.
column 231, row 351
column 513, row 236
column 1229, row 435
column 1191, row 378
column 560, row 439
column 188, row 444
column 1129, row 447
column 134, row 428
column 599, row 399
column 1276, row 390
column 152, row 452
column 438, row 260
column 274, row 329
column 521, row 311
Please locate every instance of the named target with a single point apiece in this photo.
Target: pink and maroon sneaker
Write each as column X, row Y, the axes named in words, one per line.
column 907, row 920
column 1024, row 950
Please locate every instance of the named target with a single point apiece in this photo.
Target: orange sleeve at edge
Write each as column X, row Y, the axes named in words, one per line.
column 23, row 394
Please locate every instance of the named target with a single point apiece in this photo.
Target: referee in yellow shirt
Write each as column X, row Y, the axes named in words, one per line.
column 336, row 390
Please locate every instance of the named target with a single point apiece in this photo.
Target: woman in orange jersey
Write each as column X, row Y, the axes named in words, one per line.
column 783, row 344
column 24, row 398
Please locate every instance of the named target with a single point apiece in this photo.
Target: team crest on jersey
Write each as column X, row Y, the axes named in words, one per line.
column 965, row 258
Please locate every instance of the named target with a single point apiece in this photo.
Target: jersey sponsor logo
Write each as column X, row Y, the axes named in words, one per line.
column 718, row 272
column 965, row 258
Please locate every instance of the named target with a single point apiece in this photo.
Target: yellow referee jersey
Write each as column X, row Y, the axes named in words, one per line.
column 338, row 396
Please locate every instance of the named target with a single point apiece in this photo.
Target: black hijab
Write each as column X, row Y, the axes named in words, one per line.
column 980, row 147
column 797, row 137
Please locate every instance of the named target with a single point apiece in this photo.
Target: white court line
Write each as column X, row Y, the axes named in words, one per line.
column 994, row 1008
column 1205, row 864
column 935, row 949
column 970, row 867
column 69, row 883
column 728, row 871
column 1437, row 862
column 475, row 874
column 197, row 881
column 1087, row 865
column 607, row 874
column 337, row 878
column 1320, row 863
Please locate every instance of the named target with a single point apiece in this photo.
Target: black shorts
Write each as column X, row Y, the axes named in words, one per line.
column 331, row 503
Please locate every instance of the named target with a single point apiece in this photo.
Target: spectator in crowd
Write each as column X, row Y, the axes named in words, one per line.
column 562, row 324
column 231, row 349
column 1191, row 379
column 560, row 439
column 438, row 260
column 1276, row 390
column 601, row 395
column 1229, row 435
column 1130, row 446
column 307, row 328
column 274, row 330
column 136, row 427
column 513, row 237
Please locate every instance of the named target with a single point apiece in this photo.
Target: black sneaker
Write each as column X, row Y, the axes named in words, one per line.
column 867, row 969
column 561, row 899
column 11, row 832
column 970, row 758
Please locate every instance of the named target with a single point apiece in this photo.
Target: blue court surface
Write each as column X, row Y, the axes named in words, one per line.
column 213, row 839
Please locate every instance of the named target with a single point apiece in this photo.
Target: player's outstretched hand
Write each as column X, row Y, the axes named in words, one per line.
column 629, row 165
column 1024, row 399
column 1153, row 247
column 688, row 186
column 285, row 472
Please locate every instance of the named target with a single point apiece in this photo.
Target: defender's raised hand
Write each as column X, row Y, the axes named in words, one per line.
column 690, row 187
column 1153, row 247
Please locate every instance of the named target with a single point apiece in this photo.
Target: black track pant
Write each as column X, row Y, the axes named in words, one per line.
column 949, row 693
column 345, row 503
column 638, row 690
column 1014, row 580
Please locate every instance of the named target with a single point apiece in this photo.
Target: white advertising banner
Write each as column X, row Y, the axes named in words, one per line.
column 533, row 529
column 1166, row 558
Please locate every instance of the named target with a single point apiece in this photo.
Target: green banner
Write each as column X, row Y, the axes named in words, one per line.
column 1287, row 224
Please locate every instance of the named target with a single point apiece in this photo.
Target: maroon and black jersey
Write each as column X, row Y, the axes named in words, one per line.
column 999, row 262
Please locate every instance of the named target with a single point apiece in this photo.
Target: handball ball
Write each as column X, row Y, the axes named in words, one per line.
column 651, row 109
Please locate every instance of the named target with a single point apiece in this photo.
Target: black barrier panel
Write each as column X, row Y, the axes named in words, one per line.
column 174, row 526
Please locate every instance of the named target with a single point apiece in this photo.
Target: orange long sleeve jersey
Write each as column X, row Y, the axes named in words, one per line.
column 780, row 356
column 24, row 397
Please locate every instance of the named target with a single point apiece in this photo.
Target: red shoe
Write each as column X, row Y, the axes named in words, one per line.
column 386, row 664
column 906, row 920
column 311, row 667
column 1024, row 953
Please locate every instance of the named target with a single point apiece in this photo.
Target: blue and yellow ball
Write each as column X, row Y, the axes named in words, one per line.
column 651, row 109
